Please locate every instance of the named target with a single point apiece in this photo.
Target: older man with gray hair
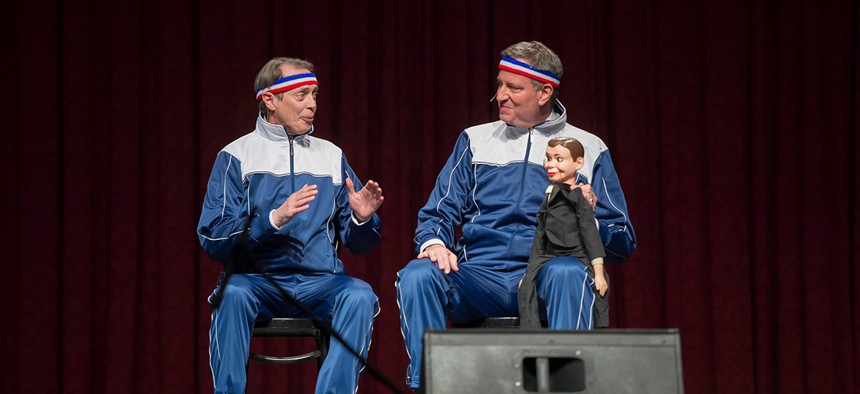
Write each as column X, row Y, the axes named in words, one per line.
column 281, row 201
column 492, row 187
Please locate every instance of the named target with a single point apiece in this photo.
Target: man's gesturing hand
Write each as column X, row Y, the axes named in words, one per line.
column 296, row 202
column 365, row 202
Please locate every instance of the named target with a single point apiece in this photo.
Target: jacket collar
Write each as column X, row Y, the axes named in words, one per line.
column 277, row 133
column 554, row 124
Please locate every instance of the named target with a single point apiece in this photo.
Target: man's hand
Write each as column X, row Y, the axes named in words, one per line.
column 444, row 258
column 296, row 202
column 365, row 202
column 587, row 192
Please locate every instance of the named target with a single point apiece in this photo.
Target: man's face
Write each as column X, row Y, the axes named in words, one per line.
column 295, row 110
column 560, row 166
column 519, row 101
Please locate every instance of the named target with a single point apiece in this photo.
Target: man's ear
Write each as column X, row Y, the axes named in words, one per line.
column 269, row 99
column 545, row 94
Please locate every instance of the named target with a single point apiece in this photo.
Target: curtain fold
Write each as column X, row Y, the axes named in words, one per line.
column 733, row 127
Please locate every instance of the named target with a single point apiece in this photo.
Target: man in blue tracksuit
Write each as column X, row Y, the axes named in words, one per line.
column 492, row 186
column 285, row 200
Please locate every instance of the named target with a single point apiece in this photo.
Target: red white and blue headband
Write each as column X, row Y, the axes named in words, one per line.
column 517, row 67
column 291, row 82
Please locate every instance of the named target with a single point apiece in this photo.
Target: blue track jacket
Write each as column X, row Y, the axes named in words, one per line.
column 493, row 185
column 256, row 174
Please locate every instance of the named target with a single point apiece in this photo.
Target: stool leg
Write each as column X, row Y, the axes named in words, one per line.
column 322, row 345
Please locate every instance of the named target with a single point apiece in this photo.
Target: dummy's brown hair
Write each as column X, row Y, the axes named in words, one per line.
column 572, row 144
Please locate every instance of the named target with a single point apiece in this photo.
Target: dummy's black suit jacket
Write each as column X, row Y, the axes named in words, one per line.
column 565, row 227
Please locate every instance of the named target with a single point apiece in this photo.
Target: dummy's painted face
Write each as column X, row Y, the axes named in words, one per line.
column 296, row 108
column 519, row 101
column 560, row 166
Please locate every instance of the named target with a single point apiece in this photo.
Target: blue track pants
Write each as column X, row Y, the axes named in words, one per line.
column 427, row 298
column 348, row 303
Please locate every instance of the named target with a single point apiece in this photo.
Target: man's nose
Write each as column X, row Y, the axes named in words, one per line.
column 501, row 93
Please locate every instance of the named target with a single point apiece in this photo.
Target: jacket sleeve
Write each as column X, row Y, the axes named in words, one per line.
column 588, row 231
column 449, row 199
column 539, row 244
column 616, row 231
column 358, row 239
column 225, row 211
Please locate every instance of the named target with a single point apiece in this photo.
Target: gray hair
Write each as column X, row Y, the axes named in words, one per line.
column 537, row 55
column 272, row 71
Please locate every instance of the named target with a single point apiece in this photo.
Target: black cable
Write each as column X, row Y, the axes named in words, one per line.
column 230, row 266
column 237, row 256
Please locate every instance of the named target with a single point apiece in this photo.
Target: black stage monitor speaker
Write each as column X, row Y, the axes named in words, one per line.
column 542, row 361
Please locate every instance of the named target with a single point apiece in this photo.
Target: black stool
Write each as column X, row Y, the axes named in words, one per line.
column 491, row 322
column 291, row 328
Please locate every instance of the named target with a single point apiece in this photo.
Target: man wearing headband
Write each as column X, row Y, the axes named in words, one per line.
column 492, row 186
column 284, row 200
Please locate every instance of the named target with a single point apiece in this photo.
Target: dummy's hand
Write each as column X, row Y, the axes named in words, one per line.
column 296, row 202
column 600, row 285
column 365, row 202
column 444, row 258
column 587, row 192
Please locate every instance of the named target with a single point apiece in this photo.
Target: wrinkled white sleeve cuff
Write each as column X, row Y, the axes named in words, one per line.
column 272, row 220
column 434, row 241
column 357, row 223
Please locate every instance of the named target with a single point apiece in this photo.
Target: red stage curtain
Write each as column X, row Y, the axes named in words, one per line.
column 733, row 126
